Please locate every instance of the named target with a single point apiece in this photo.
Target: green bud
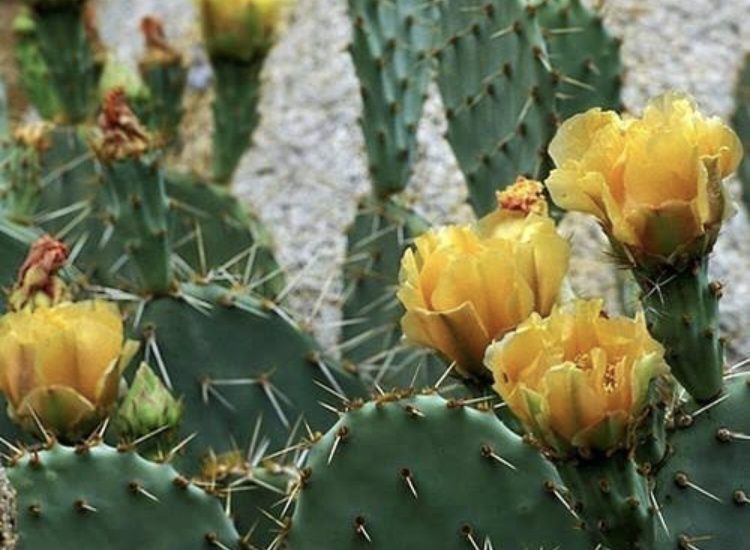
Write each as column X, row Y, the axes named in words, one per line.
column 148, row 406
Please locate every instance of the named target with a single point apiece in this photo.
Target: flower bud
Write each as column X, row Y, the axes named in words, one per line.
column 240, row 29
column 148, row 406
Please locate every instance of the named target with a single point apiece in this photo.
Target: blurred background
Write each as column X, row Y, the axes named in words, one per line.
column 307, row 169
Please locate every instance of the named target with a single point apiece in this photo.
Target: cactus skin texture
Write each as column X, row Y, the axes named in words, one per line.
column 682, row 311
column 498, row 91
column 209, row 228
column 423, row 472
column 250, row 495
column 376, row 241
column 67, row 51
column 96, row 496
column 391, row 54
column 584, row 54
column 237, row 88
column 704, row 488
column 741, row 124
column 234, row 358
column 165, row 76
column 612, row 496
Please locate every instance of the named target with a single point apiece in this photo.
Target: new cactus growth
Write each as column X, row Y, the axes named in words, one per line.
column 148, row 407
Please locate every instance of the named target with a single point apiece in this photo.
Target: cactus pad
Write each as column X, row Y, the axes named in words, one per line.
column 99, row 497
column 584, row 54
column 391, row 53
column 423, row 472
column 498, row 91
column 704, row 488
column 234, row 358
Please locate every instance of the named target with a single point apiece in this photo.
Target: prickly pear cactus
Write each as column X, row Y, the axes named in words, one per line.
column 391, row 52
column 423, row 472
column 233, row 358
column 741, row 123
column 584, row 55
column 703, row 491
column 499, row 93
column 101, row 497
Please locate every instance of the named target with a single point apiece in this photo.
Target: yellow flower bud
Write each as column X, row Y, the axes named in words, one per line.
column 240, row 29
column 463, row 286
column 577, row 379
column 62, row 363
column 654, row 182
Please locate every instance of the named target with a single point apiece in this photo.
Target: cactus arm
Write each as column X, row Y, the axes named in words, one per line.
column 237, row 87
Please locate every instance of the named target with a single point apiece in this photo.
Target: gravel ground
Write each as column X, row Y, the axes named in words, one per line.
column 307, row 170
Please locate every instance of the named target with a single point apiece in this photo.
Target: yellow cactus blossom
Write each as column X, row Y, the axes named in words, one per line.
column 63, row 364
column 654, row 182
column 240, row 29
column 463, row 286
column 577, row 379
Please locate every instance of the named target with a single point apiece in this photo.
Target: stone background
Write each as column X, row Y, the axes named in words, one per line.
column 307, row 169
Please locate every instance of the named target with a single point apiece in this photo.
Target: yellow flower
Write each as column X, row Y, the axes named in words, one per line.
column 240, row 29
column 654, row 182
column 463, row 286
column 577, row 378
column 62, row 363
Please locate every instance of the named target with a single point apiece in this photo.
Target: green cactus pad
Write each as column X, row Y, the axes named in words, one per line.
column 391, row 54
column 371, row 334
column 237, row 88
column 498, row 91
column 704, row 488
column 98, row 497
column 233, row 358
column 424, row 472
column 584, row 54
column 210, row 229
column 741, row 124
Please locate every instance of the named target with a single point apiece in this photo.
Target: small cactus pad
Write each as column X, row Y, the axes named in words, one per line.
column 498, row 91
column 703, row 490
column 423, row 472
column 98, row 497
column 584, row 55
column 235, row 358
column 741, row 123
column 391, row 53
